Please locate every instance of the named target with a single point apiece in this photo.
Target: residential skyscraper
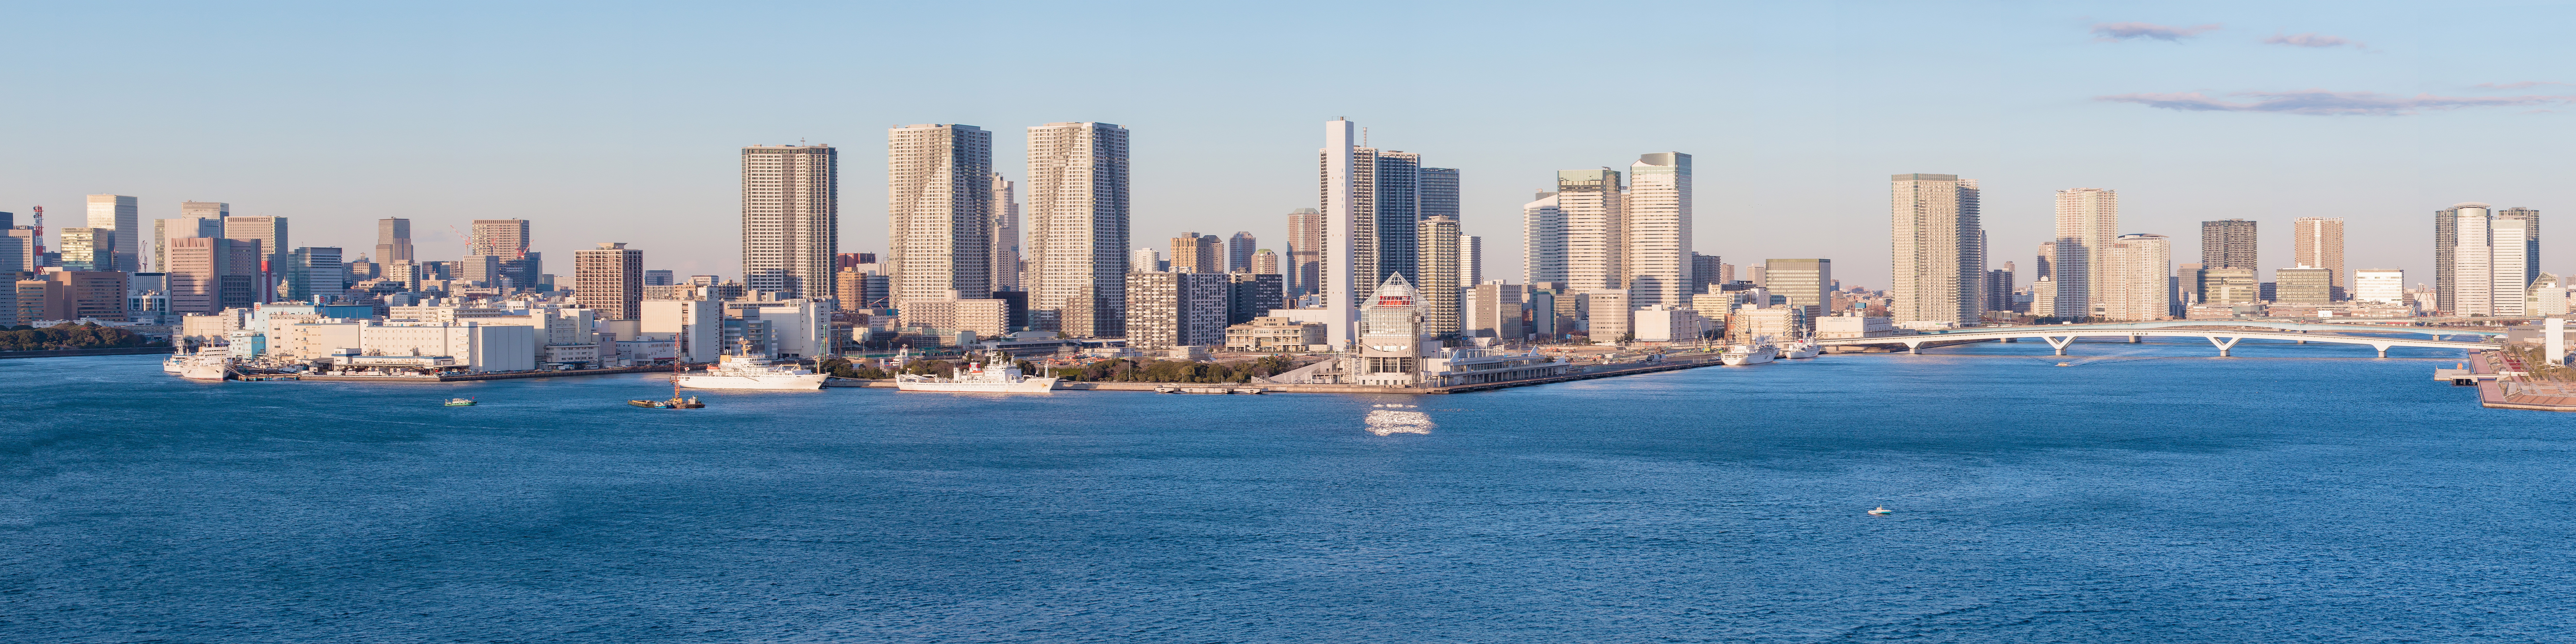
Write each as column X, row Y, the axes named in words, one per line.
column 791, row 218
column 2507, row 241
column 1438, row 192
column 1397, row 203
column 2471, row 287
column 1077, row 183
column 1934, row 221
column 1471, row 260
column 1543, row 240
column 939, row 207
column 1266, row 262
column 610, row 279
column 1238, row 252
column 1595, row 232
column 2137, row 278
column 2227, row 243
column 393, row 240
column 2320, row 245
column 1305, row 251
column 1440, row 272
column 119, row 213
column 1346, row 230
column 1006, row 235
column 2446, row 242
column 1196, row 253
column 1175, row 309
column 1658, row 237
column 2087, row 220
column 1145, row 260
column 1999, row 288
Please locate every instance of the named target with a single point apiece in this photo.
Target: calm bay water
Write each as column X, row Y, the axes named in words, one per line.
column 2150, row 493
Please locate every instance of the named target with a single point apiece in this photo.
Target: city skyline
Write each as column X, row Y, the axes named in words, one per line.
column 2189, row 160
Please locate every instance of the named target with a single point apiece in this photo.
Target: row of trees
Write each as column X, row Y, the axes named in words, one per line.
column 1125, row 370
column 69, row 336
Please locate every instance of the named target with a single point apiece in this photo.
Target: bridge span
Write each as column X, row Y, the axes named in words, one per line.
column 2225, row 340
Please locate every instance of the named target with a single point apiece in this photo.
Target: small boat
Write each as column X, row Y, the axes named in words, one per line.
column 674, row 403
column 2065, row 364
column 1250, row 390
column 460, row 402
column 1882, row 510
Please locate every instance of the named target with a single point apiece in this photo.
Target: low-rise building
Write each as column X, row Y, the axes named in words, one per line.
column 1667, row 323
column 1777, row 324
column 1273, row 335
column 1839, row 327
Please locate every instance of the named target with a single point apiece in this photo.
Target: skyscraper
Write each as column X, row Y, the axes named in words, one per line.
column 1440, row 268
column 119, row 213
column 2227, row 243
column 1346, row 230
column 2507, row 241
column 1196, row 253
column 939, row 207
column 1595, row 232
column 2446, row 241
column 2136, row 278
column 1145, row 260
column 1006, row 235
column 1707, row 273
column 1543, row 240
column 1658, row 237
column 1398, row 209
column 1805, row 283
column 1077, row 184
column 196, row 219
column 210, row 274
column 2087, row 220
column 791, row 218
column 507, row 240
column 1266, row 262
column 1439, row 192
column 88, row 248
column 393, row 240
column 610, row 279
column 2531, row 239
column 1305, row 250
column 2471, row 285
column 1999, row 288
column 1471, row 260
column 314, row 270
column 1238, row 252
column 270, row 232
column 1934, row 220
column 2320, row 245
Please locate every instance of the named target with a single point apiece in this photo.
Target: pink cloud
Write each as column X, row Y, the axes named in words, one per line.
column 2318, row 102
column 2311, row 39
column 2114, row 31
column 2519, row 84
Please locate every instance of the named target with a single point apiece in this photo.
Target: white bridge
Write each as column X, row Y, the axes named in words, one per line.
column 2222, row 334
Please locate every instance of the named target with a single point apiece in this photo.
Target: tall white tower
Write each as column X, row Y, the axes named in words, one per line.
column 2088, row 219
column 1334, row 279
column 119, row 213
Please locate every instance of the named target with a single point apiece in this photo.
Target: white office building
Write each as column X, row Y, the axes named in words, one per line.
column 1658, row 236
column 2379, row 285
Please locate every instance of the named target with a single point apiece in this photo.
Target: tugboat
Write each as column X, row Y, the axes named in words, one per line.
column 460, row 402
column 676, row 402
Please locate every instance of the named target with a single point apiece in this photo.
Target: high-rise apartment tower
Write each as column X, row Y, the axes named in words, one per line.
column 791, row 218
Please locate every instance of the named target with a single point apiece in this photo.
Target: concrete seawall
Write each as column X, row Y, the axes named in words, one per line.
column 1598, row 371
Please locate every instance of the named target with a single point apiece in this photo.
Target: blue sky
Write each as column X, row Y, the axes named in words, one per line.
column 617, row 122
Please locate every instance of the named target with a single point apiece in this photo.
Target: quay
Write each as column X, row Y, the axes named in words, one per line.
column 2499, row 376
column 508, row 375
column 1581, row 373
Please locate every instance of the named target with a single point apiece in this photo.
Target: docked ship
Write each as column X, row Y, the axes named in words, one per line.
column 1801, row 349
column 748, row 372
column 976, row 379
column 1759, row 352
column 207, row 366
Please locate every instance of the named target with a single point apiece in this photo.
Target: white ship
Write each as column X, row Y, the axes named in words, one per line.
column 207, row 365
column 1801, row 349
column 746, row 372
column 976, row 379
column 1759, row 352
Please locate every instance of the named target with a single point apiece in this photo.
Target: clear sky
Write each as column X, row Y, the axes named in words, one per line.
column 621, row 121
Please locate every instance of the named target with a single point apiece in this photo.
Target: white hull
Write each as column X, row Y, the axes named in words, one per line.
column 1024, row 386
column 173, row 366
column 788, row 382
column 1801, row 353
column 1758, row 357
column 208, row 373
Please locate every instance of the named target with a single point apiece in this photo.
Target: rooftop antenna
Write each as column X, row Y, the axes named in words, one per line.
column 1363, row 137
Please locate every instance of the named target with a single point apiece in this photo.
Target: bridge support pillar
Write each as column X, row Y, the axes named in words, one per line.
column 2137, row 339
column 2383, row 349
column 2059, row 343
column 2012, row 339
column 2222, row 346
column 1914, row 347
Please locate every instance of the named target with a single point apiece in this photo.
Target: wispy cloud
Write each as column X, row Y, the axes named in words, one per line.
column 2116, row 31
column 2520, row 84
column 2318, row 102
column 2313, row 39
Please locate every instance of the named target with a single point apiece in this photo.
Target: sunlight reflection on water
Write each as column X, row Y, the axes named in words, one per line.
column 1383, row 422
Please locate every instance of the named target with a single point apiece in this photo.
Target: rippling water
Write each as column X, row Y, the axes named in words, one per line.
column 2148, row 493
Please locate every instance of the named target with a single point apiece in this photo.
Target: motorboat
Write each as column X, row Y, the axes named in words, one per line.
column 751, row 372
column 460, row 402
column 1882, row 510
column 975, row 378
